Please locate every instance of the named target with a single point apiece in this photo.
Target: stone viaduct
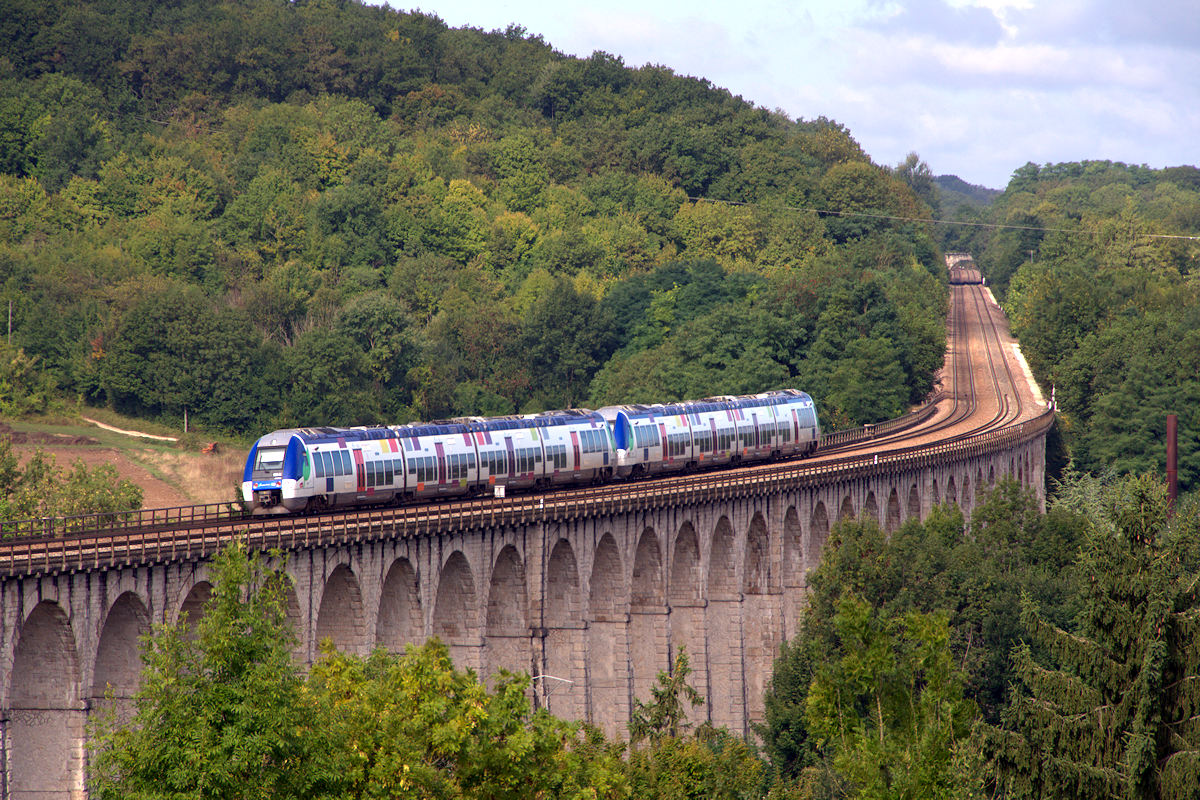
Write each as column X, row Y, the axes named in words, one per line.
column 591, row 595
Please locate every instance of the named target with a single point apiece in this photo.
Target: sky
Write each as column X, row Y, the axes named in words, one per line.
column 977, row 88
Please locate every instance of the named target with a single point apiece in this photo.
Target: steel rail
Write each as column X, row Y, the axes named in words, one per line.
column 188, row 532
column 152, row 545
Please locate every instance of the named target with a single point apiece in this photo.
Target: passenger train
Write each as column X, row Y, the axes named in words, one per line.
column 310, row 469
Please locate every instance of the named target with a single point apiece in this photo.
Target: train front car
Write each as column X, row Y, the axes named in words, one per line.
column 272, row 481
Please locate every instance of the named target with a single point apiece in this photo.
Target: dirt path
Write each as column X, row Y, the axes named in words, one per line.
column 99, row 424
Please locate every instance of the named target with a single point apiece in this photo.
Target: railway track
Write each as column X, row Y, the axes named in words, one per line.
column 981, row 408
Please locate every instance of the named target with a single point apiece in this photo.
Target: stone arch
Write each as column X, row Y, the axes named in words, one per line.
column 193, row 605
column 400, row 620
column 686, row 584
column 562, row 587
column 991, row 475
column 818, row 533
column 647, row 586
column 937, row 496
column 951, row 492
column 45, row 722
column 756, row 561
column 118, row 668
column 891, row 522
column 340, row 618
column 607, row 639
column 846, row 510
column 722, row 568
column 647, row 615
column 914, row 502
column 793, row 548
column 454, row 608
column 507, row 609
column 606, row 590
column 871, row 508
column 563, row 685
column 507, row 623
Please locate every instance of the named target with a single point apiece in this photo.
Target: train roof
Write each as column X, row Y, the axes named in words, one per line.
column 720, row 403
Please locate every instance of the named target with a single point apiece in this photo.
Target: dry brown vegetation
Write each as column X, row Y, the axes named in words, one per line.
column 170, row 474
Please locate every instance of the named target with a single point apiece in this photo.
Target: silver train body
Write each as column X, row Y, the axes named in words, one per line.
column 309, row 469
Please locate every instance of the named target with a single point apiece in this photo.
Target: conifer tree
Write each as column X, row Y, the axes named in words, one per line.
column 1111, row 709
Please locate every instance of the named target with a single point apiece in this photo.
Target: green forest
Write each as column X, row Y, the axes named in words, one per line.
column 262, row 214
column 267, row 214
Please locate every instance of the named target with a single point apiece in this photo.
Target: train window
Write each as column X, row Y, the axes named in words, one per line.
column 370, row 473
column 388, row 477
column 269, row 459
column 412, row 466
column 318, row 466
column 471, row 460
column 345, row 459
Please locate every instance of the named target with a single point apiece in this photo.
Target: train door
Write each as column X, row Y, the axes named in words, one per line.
column 441, row 463
column 360, row 472
column 512, row 459
column 575, row 449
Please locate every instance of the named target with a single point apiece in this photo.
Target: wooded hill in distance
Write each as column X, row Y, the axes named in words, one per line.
column 1098, row 267
column 272, row 214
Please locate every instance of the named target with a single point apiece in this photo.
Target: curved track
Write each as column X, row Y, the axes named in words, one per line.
column 983, row 393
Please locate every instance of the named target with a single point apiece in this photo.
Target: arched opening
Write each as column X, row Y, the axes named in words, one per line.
column 45, row 724
column 648, row 615
column 951, row 492
column 892, row 521
column 608, row 648
column 118, row 670
column 561, row 689
column 761, row 629
column 454, row 615
column 871, row 509
column 756, row 575
column 793, row 548
column 340, row 618
column 507, row 633
column 400, row 621
column 726, row 702
column 605, row 597
column 914, row 502
column 686, row 583
column 819, row 532
column 846, row 511
column 193, row 605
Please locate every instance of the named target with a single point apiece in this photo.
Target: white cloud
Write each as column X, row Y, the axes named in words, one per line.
column 977, row 87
